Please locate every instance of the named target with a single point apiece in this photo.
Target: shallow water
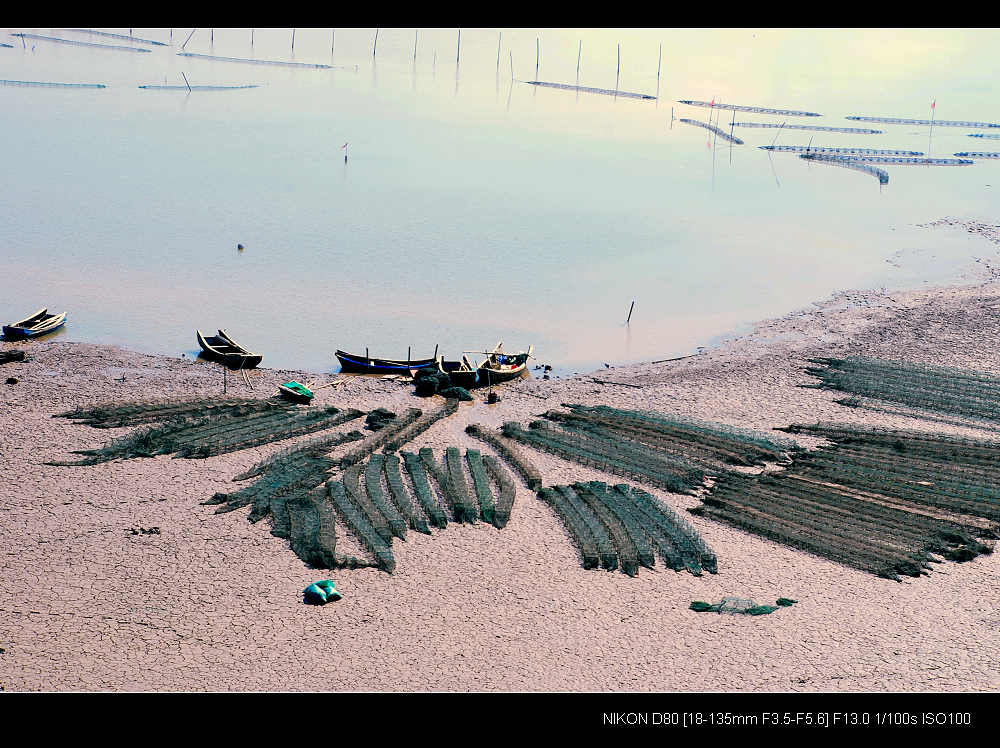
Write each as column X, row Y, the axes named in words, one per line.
column 473, row 207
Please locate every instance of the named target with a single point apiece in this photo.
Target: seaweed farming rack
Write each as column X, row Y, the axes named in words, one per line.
column 926, row 122
column 751, row 109
column 724, row 135
column 901, row 160
column 80, row 44
column 198, row 88
column 813, row 128
column 279, row 63
column 846, row 151
column 978, row 154
column 43, row 84
column 107, row 35
column 881, row 174
column 588, row 89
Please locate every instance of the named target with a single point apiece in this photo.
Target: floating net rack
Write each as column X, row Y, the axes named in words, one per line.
column 924, row 122
column 812, row 128
column 76, row 43
column 46, row 84
column 750, row 109
column 588, row 89
column 722, row 134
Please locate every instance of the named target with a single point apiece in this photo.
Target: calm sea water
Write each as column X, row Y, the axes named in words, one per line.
column 474, row 207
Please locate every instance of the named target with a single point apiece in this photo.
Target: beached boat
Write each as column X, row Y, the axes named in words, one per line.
column 39, row 323
column 297, row 393
column 462, row 373
column 502, row 367
column 224, row 349
column 350, row 362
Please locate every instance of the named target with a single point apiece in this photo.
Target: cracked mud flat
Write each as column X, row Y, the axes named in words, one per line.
column 213, row 603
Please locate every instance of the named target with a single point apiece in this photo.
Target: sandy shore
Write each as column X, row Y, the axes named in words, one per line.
column 214, row 603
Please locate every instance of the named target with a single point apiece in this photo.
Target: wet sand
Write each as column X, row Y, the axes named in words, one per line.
column 214, row 603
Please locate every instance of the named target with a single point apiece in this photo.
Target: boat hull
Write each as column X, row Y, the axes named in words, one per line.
column 294, row 394
column 226, row 351
column 459, row 375
column 349, row 362
column 489, row 376
column 41, row 323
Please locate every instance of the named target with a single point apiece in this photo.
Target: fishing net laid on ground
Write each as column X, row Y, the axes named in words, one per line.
column 215, row 433
column 7, row 356
column 509, row 451
column 622, row 526
column 888, row 502
column 953, row 392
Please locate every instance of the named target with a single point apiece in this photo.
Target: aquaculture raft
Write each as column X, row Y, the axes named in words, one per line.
column 724, row 135
column 925, row 122
column 279, row 63
column 45, row 84
column 587, row 89
column 880, row 174
column 80, row 44
column 846, row 151
column 978, row 154
column 751, row 109
column 814, row 128
column 898, row 160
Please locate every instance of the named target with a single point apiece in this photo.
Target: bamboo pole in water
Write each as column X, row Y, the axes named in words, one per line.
column 458, row 49
column 499, row 39
column 579, row 51
column 375, row 45
column 185, row 41
column 415, row 34
column 537, row 55
column 293, row 40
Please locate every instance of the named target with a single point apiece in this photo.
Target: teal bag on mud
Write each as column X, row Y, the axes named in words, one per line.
column 327, row 585
column 315, row 595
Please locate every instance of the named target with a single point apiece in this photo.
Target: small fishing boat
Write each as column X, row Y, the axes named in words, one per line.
column 349, row 362
column 297, row 393
column 462, row 373
column 502, row 367
column 224, row 349
column 39, row 323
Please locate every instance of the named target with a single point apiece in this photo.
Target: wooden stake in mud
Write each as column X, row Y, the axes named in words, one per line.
column 186, row 82
column 375, row 45
column 629, row 319
column 188, row 39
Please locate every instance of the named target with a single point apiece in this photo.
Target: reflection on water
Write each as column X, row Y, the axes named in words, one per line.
column 474, row 207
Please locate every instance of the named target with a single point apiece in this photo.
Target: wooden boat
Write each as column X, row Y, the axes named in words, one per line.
column 349, row 362
column 462, row 373
column 39, row 323
column 297, row 393
column 224, row 349
column 502, row 367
